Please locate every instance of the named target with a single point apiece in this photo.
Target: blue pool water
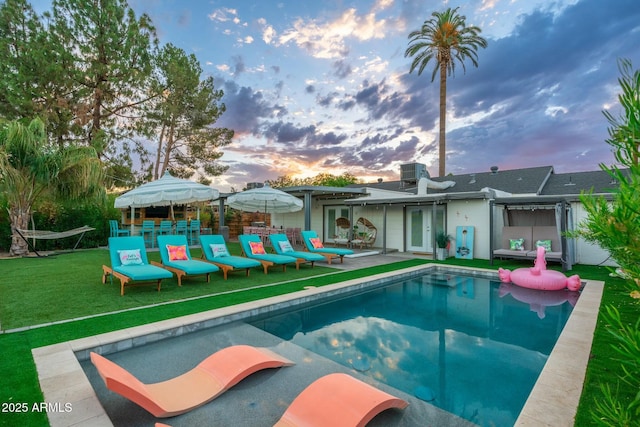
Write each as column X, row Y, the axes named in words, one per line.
column 469, row 345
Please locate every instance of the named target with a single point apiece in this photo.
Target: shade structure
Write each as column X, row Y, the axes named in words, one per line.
column 265, row 199
column 166, row 191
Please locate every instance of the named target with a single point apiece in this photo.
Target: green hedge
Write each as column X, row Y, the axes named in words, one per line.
column 62, row 217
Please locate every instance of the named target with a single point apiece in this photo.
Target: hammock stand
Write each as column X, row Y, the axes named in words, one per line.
column 52, row 235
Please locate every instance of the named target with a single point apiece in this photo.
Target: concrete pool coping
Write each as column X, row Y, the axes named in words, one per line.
column 553, row 400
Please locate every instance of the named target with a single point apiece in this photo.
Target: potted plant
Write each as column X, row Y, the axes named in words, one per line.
column 442, row 242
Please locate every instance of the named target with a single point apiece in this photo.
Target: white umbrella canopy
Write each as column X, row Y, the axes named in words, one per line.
column 266, row 199
column 166, row 191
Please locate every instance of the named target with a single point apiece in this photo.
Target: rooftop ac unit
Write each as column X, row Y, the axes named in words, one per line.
column 412, row 172
column 252, row 185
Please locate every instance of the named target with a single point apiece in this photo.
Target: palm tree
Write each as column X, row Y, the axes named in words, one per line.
column 32, row 170
column 444, row 38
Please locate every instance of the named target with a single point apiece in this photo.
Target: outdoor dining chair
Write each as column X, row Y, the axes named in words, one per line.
column 148, row 233
column 194, row 231
column 181, row 227
column 115, row 229
column 166, row 227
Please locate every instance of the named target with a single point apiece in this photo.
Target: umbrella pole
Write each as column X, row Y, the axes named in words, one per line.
column 133, row 217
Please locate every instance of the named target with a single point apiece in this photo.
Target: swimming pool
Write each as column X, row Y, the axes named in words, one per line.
column 64, row 376
column 462, row 343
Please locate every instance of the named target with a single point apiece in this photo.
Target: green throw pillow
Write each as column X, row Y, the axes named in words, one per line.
column 546, row 244
column 516, row 244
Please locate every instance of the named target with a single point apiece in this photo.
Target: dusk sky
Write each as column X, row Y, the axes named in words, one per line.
column 323, row 86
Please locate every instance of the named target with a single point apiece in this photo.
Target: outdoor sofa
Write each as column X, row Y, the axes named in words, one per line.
column 520, row 242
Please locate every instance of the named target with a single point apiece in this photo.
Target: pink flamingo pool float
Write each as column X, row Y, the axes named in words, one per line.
column 538, row 277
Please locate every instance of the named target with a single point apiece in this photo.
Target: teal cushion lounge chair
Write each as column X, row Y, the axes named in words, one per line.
column 267, row 260
column 310, row 236
column 282, row 246
column 175, row 255
column 129, row 263
column 222, row 257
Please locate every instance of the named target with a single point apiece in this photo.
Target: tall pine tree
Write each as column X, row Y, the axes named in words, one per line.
column 181, row 117
column 111, row 54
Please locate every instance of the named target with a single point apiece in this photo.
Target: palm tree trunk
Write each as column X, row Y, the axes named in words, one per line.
column 18, row 218
column 442, row 147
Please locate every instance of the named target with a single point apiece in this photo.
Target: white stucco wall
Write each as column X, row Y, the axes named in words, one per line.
column 470, row 213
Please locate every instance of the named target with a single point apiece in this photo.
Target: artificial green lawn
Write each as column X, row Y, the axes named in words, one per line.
column 73, row 283
column 68, row 286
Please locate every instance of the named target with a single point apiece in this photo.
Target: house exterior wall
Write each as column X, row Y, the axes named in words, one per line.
column 470, row 213
column 475, row 212
column 459, row 213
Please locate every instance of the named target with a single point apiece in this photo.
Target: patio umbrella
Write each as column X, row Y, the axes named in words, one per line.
column 165, row 191
column 267, row 198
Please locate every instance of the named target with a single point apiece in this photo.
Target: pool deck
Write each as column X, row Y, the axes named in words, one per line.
column 552, row 402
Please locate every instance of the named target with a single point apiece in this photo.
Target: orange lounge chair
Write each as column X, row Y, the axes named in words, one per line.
column 212, row 377
column 338, row 400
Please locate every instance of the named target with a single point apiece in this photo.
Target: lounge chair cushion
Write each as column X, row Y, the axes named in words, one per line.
column 275, row 258
column 143, row 272
column 177, row 253
column 130, row 257
column 335, row 251
column 307, row 256
column 193, row 267
column 257, row 248
column 219, row 250
column 238, row 262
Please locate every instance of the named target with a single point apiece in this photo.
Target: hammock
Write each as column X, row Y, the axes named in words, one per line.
column 51, row 235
